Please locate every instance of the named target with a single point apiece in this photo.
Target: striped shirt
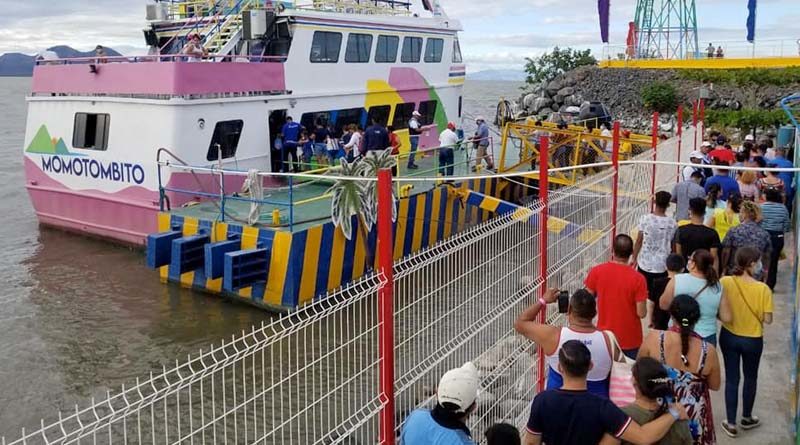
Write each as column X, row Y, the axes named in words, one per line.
column 775, row 217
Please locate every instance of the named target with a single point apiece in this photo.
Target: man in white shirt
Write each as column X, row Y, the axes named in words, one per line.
column 414, row 132
column 448, row 141
column 695, row 157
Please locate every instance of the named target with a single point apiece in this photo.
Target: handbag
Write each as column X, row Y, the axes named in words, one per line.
column 620, row 384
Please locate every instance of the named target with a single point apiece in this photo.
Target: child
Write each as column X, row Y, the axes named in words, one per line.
column 502, row 434
column 659, row 318
column 653, row 393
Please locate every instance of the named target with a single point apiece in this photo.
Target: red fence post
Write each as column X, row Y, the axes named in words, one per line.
column 615, row 180
column 655, row 156
column 702, row 115
column 680, row 139
column 386, row 306
column 544, row 148
column 695, row 113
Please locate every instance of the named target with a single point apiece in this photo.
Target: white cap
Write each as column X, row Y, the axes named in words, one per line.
column 749, row 137
column 459, row 386
column 707, row 144
column 415, row 113
column 696, row 155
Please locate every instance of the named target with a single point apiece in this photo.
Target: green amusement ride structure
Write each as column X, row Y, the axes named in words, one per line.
column 666, row 29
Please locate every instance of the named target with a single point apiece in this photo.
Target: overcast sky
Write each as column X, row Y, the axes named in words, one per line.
column 498, row 34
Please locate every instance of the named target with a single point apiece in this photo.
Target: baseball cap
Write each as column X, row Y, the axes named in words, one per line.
column 696, row 155
column 459, row 386
column 749, row 137
column 451, row 125
column 707, row 144
column 415, row 113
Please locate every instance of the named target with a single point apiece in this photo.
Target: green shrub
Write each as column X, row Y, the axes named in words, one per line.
column 660, row 96
column 746, row 118
column 745, row 76
column 549, row 65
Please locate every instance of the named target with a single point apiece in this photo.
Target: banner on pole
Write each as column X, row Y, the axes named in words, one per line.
column 603, row 9
column 751, row 21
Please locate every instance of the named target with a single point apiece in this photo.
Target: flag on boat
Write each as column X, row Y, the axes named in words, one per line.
column 603, row 7
column 751, row 21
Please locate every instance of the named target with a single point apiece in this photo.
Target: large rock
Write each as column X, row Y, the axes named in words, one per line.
column 566, row 91
column 559, row 99
column 540, row 103
column 554, row 86
column 529, row 100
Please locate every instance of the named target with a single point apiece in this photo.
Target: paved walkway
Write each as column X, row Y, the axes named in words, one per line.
column 773, row 402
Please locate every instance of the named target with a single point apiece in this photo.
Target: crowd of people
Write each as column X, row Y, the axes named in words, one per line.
column 300, row 149
column 692, row 282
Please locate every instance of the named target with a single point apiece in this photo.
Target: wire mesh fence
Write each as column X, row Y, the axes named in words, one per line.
column 312, row 377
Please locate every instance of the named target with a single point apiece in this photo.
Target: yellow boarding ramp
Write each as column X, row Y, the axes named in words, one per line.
column 572, row 146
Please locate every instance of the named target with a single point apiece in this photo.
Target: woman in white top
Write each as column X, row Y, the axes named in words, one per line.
column 194, row 48
column 353, row 146
column 582, row 309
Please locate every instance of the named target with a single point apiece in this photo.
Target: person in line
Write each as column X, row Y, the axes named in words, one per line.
column 653, row 391
column 776, row 221
column 290, row 132
column 582, row 310
column 748, row 186
column 725, row 219
column 448, row 141
column 713, row 201
column 695, row 157
column 572, row 415
column 414, row 132
column 194, row 48
column 726, row 183
column 748, row 233
column 376, row 138
column 705, row 149
column 353, row 146
column 742, row 338
column 697, row 235
column 321, row 136
column 502, row 434
column 685, row 191
column 722, row 155
column 445, row 424
column 394, row 140
column 692, row 365
column 771, row 180
column 702, row 283
column 481, row 142
column 659, row 319
column 780, row 161
column 307, row 142
column 654, row 244
column 621, row 294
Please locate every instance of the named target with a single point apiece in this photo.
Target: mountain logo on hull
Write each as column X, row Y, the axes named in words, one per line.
column 44, row 144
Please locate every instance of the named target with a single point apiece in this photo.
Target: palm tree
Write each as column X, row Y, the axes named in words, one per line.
column 356, row 197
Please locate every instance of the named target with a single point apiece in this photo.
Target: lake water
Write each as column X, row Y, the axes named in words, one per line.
column 79, row 317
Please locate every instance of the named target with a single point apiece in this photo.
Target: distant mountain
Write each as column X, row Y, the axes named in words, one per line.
column 501, row 75
column 17, row 64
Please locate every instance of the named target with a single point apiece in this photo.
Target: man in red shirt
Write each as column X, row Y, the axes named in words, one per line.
column 621, row 294
column 722, row 154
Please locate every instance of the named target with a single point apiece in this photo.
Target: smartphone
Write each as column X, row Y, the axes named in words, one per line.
column 563, row 302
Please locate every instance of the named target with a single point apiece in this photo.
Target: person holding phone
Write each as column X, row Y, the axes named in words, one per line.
column 582, row 308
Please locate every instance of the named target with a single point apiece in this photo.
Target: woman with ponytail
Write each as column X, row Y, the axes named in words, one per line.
column 691, row 363
column 702, row 283
column 653, row 395
column 742, row 339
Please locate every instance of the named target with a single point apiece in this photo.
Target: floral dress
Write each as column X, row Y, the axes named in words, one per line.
column 692, row 391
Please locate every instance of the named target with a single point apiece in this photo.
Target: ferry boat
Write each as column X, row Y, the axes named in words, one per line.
column 96, row 125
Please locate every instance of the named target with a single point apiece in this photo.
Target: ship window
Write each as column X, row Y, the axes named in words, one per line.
column 226, row 134
column 380, row 114
column 347, row 117
column 457, row 52
column 91, row 131
column 310, row 120
column 402, row 114
column 412, row 49
column 386, row 52
column 325, row 47
column 359, row 47
column 427, row 109
column 433, row 50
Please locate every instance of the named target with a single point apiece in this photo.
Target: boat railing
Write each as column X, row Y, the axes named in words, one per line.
column 366, row 7
column 159, row 58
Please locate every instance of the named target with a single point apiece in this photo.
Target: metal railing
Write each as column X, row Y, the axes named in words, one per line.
column 731, row 49
column 317, row 376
